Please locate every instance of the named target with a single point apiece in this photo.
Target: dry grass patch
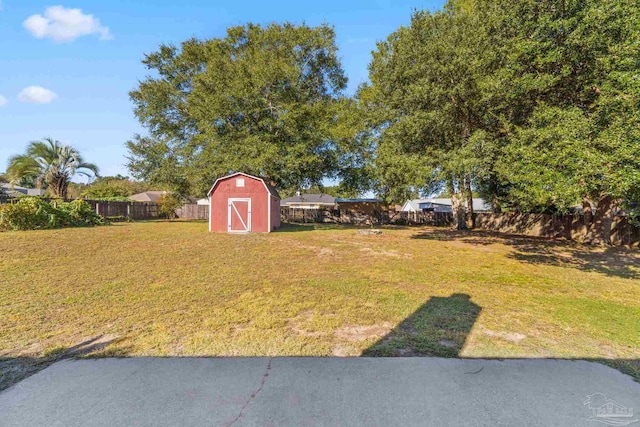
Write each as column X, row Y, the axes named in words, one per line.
column 173, row 289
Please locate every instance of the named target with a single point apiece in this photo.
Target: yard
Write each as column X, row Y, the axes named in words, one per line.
column 173, row 289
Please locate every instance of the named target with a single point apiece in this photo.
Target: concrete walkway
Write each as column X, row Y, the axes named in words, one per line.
column 314, row 391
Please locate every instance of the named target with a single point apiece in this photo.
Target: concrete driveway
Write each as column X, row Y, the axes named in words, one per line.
column 315, row 391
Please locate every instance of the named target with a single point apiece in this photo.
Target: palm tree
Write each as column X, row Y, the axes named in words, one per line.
column 51, row 164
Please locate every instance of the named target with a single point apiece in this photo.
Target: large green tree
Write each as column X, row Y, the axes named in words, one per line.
column 425, row 101
column 534, row 103
column 564, row 84
column 110, row 187
column 265, row 100
column 50, row 164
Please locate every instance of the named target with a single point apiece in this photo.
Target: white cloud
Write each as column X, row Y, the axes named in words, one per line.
column 3, row 101
column 65, row 25
column 36, row 95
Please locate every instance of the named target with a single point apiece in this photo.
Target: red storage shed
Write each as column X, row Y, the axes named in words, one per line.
column 241, row 203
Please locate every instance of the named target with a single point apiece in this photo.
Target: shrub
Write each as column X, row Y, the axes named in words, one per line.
column 167, row 206
column 80, row 213
column 32, row 213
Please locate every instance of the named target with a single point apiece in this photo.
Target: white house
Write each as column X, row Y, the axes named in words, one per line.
column 16, row 190
column 441, row 205
column 309, row 201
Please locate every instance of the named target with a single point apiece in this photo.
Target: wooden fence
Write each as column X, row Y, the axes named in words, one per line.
column 569, row 226
column 125, row 210
column 293, row 215
column 361, row 218
column 193, row 211
column 112, row 210
column 435, row 219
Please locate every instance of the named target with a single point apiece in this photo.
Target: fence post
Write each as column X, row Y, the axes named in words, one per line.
column 129, row 210
column 97, row 208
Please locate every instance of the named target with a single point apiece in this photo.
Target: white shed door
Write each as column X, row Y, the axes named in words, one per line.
column 239, row 217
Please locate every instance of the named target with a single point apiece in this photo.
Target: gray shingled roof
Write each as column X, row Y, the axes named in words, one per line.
column 310, row 198
column 148, row 196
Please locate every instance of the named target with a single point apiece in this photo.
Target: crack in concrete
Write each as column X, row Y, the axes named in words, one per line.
column 253, row 395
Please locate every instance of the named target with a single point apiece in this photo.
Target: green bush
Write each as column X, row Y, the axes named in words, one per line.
column 167, row 205
column 32, row 213
column 80, row 213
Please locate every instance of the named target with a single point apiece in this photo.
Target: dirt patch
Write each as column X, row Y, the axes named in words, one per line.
column 448, row 343
column 349, row 336
column 507, row 336
column 390, row 254
column 296, row 324
column 360, row 333
column 326, row 252
column 319, row 250
column 344, row 350
column 469, row 245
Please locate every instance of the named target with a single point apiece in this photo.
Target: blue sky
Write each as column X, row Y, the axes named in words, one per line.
column 67, row 75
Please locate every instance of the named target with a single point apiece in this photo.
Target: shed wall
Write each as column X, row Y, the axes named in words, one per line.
column 253, row 189
column 275, row 213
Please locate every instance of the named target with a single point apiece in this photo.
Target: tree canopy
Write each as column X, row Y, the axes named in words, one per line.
column 535, row 104
column 112, row 187
column 264, row 100
column 425, row 100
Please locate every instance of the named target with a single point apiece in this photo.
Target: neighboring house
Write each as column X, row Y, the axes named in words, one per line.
column 310, row 201
column 148, row 196
column 441, row 205
column 365, row 206
column 16, row 190
column 202, row 202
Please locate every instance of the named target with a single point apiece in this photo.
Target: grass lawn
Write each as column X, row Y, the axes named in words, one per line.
column 173, row 289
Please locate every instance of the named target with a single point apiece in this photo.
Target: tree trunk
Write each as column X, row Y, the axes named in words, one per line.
column 56, row 187
column 587, row 212
column 495, row 205
column 471, row 221
column 65, row 188
column 600, row 231
column 59, row 186
column 457, row 207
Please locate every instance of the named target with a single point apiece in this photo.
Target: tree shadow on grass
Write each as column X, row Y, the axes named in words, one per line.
column 15, row 369
column 440, row 327
column 612, row 261
column 290, row 227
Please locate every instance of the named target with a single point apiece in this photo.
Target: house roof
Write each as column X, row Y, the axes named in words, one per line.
column 413, row 204
column 311, row 198
column 346, row 200
column 269, row 188
column 15, row 189
column 148, row 196
column 478, row 203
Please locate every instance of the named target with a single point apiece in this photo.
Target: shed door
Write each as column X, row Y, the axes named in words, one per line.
column 239, row 218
